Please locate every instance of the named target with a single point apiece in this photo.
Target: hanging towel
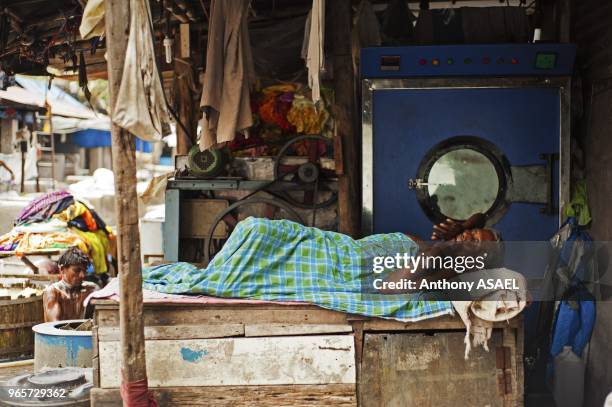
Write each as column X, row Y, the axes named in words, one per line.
column 141, row 106
column 312, row 48
column 228, row 76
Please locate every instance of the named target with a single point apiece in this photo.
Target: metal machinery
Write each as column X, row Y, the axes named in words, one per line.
column 449, row 131
column 300, row 181
column 453, row 130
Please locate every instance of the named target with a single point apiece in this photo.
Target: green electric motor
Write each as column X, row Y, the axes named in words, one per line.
column 208, row 163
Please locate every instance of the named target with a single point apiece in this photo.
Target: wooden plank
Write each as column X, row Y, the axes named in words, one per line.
column 428, row 370
column 184, row 38
column 340, row 395
column 33, row 277
column 203, row 331
column 446, row 322
column 322, row 359
column 513, row 340
column 294, row 329
column 193, row 315
column 187, row 103
column 520, row 371
column 95, row 357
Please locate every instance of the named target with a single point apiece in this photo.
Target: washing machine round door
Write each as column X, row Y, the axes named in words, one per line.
column 460, row 177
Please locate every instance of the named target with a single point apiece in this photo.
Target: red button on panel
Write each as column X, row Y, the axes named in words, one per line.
column 514, row 61
column 486, row 60
column 422, row 61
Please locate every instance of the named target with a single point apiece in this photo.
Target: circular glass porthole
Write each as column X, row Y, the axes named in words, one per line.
column 463, row 176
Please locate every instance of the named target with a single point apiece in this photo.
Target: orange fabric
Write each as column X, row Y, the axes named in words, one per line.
column 89, row 220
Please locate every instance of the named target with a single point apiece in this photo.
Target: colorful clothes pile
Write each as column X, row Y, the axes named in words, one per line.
column 281, row 112
column 58, row 221
column 280, row 260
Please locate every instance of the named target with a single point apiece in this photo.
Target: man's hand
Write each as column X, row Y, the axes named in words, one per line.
column 451, row 228
column 446, row 230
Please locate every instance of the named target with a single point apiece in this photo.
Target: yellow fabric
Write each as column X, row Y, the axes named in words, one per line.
column 306, row 117
column 98, row 247
column 31, row 242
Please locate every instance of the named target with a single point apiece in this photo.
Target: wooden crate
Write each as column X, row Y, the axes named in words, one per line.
column 17, row 317
column 298, row 355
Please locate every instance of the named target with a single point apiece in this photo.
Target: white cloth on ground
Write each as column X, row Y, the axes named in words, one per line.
column 141, row 104
column 229, row 74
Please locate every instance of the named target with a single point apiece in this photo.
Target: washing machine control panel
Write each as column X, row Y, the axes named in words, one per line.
column 468, row 60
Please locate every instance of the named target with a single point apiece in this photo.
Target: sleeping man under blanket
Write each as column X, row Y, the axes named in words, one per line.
column 280, row 260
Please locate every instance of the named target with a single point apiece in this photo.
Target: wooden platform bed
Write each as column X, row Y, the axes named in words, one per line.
column 301, row 355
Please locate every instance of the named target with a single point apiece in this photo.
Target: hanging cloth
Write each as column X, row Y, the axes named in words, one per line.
column 228, row 76
column 92, row 22
column 578, row 207
column 141, row 106
column 313, row 47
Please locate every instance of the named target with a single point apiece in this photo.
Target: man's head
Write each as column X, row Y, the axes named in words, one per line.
column 477, row 235
column 73, row 266
column 483, row 242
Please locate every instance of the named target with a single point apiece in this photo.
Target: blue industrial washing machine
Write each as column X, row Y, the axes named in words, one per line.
column 453, row 130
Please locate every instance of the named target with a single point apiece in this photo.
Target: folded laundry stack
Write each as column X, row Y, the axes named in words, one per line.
column 57, row 220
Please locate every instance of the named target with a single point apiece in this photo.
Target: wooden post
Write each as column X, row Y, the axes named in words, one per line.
column 23, row 174
column 128, row 237
column 349, row 198
column 186, row 106
column 565, row 21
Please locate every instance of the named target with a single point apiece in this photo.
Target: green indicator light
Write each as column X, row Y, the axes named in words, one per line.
column 450, row 61
column 546, row 60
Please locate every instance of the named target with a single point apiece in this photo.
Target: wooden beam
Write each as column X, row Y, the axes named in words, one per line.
column 132, row 350
column 338, row 395
column 349, row 199
column 186, row 105
column 185, row 49
column 564, row 21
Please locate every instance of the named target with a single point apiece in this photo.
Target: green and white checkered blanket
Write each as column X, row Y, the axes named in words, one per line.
column 280, row 260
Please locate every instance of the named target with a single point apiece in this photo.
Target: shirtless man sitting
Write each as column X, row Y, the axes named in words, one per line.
column 63, row 300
